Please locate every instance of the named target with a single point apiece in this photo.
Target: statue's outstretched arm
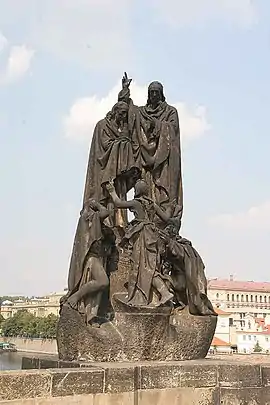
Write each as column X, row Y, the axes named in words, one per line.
column 124, row 94
column 116, row 200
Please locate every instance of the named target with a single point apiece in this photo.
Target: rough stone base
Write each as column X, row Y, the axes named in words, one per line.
column 196, row 382
column 76, row 341
column 136, row 334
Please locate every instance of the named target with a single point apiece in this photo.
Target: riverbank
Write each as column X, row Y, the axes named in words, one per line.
column 45, row 346
column 13, row 361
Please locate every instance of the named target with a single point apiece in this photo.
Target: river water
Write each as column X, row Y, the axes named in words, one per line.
column 11, row 361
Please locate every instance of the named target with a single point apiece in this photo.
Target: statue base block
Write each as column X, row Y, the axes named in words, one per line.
column 136, row 334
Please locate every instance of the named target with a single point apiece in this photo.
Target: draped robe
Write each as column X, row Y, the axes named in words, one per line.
column 113, row 155
column 164, row 177
column 189, row 281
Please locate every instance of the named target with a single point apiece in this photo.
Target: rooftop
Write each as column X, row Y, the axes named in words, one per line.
column 221, row 312
column 218, row 342
column 235, row 285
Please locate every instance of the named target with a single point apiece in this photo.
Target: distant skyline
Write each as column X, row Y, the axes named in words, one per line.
column 61, row 64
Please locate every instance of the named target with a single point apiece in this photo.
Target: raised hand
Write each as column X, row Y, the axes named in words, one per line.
column 126, row 81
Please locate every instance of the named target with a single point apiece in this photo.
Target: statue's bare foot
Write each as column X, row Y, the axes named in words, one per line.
column 166, row 298
column 73, row 302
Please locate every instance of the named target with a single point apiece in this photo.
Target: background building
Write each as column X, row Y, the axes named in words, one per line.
column 243, row 309
column 36, row 306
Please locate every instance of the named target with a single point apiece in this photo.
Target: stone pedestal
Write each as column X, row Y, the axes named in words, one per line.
column 76, row 341
column 136, row 334
column 144, row 329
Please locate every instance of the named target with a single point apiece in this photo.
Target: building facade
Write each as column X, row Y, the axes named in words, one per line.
column 240, row 298
column 37, row 306
column 247, row 305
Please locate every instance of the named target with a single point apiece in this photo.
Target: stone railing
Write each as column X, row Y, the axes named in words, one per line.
column 205, row 382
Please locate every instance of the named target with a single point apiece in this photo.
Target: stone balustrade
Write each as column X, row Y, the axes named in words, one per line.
column 204, row 382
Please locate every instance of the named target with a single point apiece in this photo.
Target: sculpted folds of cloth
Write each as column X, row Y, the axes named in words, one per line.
column 136, row 148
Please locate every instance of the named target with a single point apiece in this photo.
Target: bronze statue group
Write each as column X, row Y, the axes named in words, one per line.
column 135, row 148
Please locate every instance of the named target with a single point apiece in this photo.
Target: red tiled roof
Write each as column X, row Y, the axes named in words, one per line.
column 218, row 342
column 235, row 285
column 221, row 312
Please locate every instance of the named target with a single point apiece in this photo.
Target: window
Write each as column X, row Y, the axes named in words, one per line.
column 251, row 298
column 249, row 337
column 230, row 321
column 265, row 298
column 269, row 300
column 260, row 298
column 237, row 297
column 228, row 297
column 244, row 337
column 217, row 295
column 242, row 298
column 256, row 298
column 232, row 297
column 246, row 298
column 254, row 337
column 266, row 339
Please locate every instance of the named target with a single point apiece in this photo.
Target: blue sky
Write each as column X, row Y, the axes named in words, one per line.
column 60, row 68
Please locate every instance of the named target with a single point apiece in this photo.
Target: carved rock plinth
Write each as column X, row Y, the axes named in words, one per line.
column 144, row 329
column 76, row 341
column 136, row 334
column 190, row 336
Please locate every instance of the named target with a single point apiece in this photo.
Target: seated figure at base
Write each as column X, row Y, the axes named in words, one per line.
column 186, row 273
column 89, row 283
column 142, row 235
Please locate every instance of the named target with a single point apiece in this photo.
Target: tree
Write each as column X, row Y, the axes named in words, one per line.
column 257, row 348
column 27, row 325
column 48, row 326
column 2, row 319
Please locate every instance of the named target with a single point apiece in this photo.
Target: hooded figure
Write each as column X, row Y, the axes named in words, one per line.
column 160, row 148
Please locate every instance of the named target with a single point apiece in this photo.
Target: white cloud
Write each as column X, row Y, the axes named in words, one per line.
column 85, row 112
column 257, row 217
column 3, row 42
column 92, row 33
column 182, row 12
column 193, row 123
column 18, row 62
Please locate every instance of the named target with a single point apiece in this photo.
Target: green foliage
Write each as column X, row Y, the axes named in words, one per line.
column 257, row 348
column 26, row 325
column 2, row 319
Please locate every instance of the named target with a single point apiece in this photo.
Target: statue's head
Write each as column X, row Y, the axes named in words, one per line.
column 155, row 93
column 140, row 188
column 120, row 112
